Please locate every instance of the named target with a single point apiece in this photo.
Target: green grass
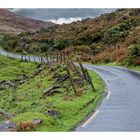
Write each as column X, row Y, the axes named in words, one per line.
column 122, row 65
column 12, row 68
column 29, row 103
column 133, row 67
column 71, row 112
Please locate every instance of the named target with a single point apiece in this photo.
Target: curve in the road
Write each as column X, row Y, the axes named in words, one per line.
column 119, row 111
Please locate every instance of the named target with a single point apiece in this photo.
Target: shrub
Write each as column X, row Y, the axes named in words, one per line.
column 90, row 38
column 119, row 54
column 61, row 44
column 100, row 57
column 114, row 34
column 85, row 58
column 83, row 48
column 9, row 42
column 24, row 34
column 134, row 54
column 44, row 47
column 26, row 126
column 137, row 61
column 96, row 49
column 124, row 26
column 106, row 60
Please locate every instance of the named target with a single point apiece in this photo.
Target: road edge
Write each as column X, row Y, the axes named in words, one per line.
column 99, row 103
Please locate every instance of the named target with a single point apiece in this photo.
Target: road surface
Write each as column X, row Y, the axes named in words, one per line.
column 120, row 109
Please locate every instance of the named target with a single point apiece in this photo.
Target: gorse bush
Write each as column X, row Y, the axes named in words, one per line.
column 61, row 44
column 118, row 33
column 9, row 42
column 134, row 54
column 26, row 126
column 135, row 50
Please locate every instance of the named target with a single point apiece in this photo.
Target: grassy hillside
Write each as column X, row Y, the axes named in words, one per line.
column 11, row 69
column 22, row 95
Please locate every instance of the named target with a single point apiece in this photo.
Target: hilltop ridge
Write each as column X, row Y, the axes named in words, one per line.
column 11, row 23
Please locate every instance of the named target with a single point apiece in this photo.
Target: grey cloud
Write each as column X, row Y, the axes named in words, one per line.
column 48, row 14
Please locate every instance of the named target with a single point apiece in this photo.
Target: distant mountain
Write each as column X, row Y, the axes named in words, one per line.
column 11, row 23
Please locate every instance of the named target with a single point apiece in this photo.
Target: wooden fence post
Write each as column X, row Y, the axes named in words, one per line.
column 25, row 56
column 34, row 58
column 47, row 56
column 61, row 59
column 83, row 71
column 78, row 72
column 22, row 56
column 57, row 57
column 41, row 59
column 64, row 55
column 71, row 81
column 29, row 58
column 50, row 57
column 87, row 76
column 89, row 80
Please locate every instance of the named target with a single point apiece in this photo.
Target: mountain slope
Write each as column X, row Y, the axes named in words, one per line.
column 110, row 37
column 107, row 37
column 14, row 24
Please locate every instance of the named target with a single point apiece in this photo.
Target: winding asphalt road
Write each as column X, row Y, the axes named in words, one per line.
column 120, row 109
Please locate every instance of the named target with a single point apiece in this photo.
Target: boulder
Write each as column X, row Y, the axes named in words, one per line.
column 51, row 113
column 8, row 126
column 37, row 121
column 49, row 92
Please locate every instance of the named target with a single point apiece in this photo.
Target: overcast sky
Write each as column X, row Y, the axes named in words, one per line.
column 61, row 15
